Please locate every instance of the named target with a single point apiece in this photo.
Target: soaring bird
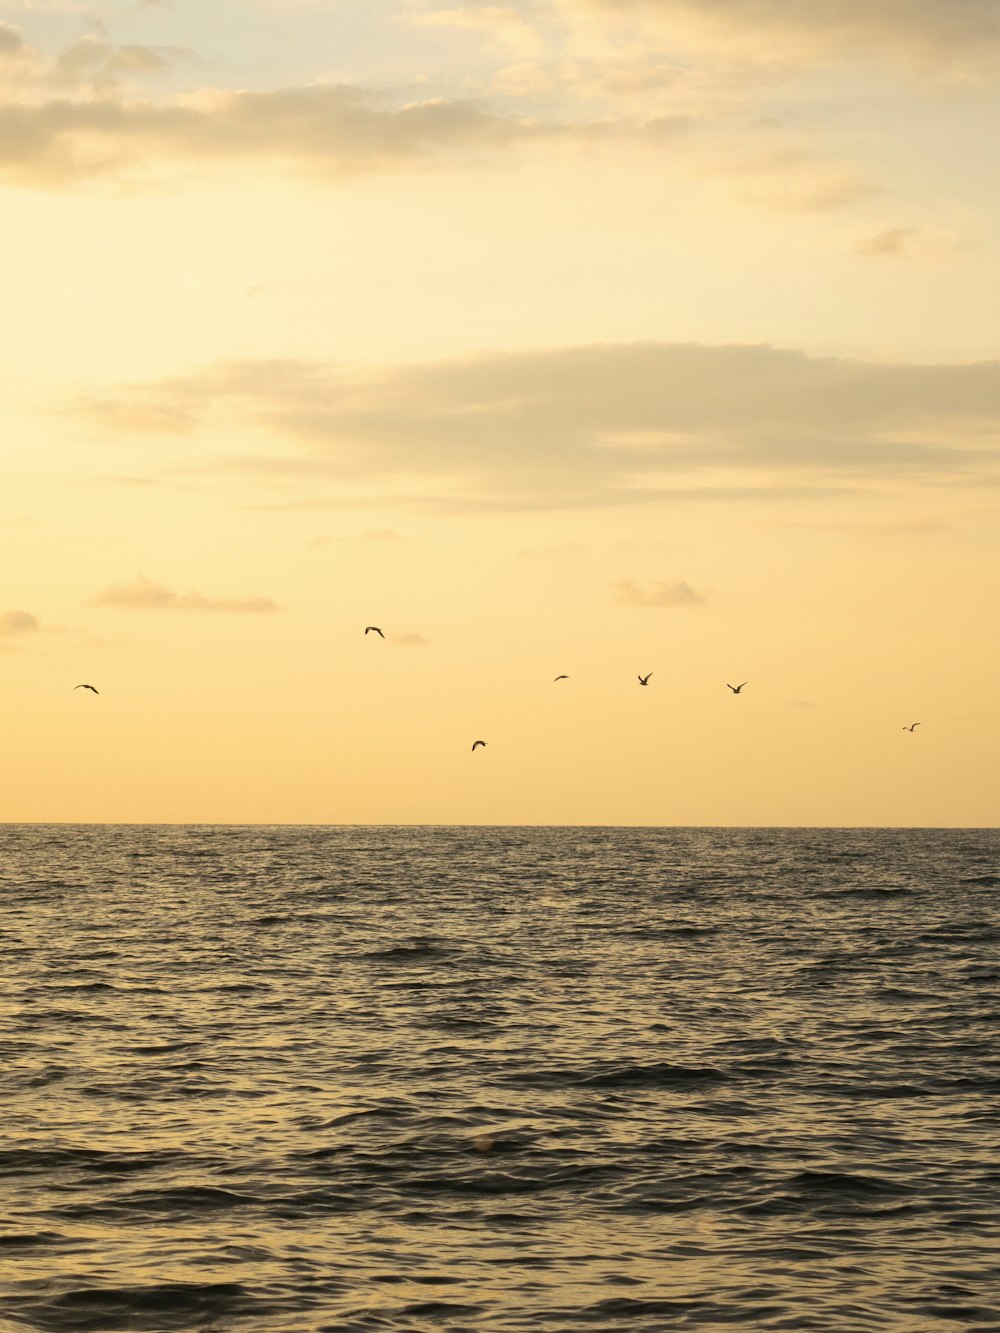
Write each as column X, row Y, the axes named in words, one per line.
column 475, row 743
column 736, row 688
column 86, row 687
column 644, row 680
column 369, row 628
column 560, row 678
column 911, row 726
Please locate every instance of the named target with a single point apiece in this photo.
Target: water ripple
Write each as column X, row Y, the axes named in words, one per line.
column 286, row 1080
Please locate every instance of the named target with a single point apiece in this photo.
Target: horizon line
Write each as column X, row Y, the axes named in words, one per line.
column 249, row 824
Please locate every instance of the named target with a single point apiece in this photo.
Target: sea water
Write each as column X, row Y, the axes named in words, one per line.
column 276, row 1079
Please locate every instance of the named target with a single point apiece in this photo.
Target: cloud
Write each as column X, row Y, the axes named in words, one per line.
column 334, row 130
column 92, row 63
column 408, row 639
column 599, row 424
column 144, row 595
column 17, row 622
column 927, row 35
column 662, row 593
column 908, row 243
column 560, row 91
column 617, row 93
column 790, row 179
column 11, row 42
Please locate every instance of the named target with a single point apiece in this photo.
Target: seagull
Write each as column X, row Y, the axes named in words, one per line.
column 560, row 678
column 86, row 687
column 736, row 688
column 369, row 628
column 475, row 743
column 644, row 680
column 911, row 726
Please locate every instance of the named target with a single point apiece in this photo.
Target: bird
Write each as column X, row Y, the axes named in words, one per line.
column 86, row 687
column 369, row 628
column 560, row 678
column 475, row 743
column 644, row 680
column 911, row 726
column 736, row 688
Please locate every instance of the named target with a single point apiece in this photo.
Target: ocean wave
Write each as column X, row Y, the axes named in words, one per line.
column 336, row 1079
column 160, row 1307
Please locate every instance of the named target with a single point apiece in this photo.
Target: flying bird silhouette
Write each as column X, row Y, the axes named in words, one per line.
column 369, row 628
column 475, row 743
column 736, row 688
column 560, row 678
column 911, row 726
column 644, row 680
column 86, row 687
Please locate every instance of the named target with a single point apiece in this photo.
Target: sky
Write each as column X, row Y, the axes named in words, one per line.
column 583, row 337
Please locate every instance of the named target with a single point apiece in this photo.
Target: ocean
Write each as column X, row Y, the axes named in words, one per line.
column 292, row 1079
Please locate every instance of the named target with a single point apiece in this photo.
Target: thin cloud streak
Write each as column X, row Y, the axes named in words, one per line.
column 916, row 242
column 926, row 36
column 16, row 622
column 659, row 594
column 338, row 131
column 582, row 426
column 145, row 595
column 101, row 128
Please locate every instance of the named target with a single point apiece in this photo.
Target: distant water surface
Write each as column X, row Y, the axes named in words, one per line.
column 283, row 1080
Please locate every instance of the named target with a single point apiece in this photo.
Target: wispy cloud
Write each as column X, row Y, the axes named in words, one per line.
column 105, row 125
column 334, row 130
column 915, row 242
column 12, row 44
column 925, row 35
column 15, row 622
column 95, row 64
column 90, row 64
column 659, row 594
column 602, row 424
column 145, row 595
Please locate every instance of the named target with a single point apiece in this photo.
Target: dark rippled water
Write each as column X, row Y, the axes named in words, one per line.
column 284, row 1079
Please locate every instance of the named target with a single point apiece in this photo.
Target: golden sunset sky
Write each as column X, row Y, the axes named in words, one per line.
column 558, row 336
